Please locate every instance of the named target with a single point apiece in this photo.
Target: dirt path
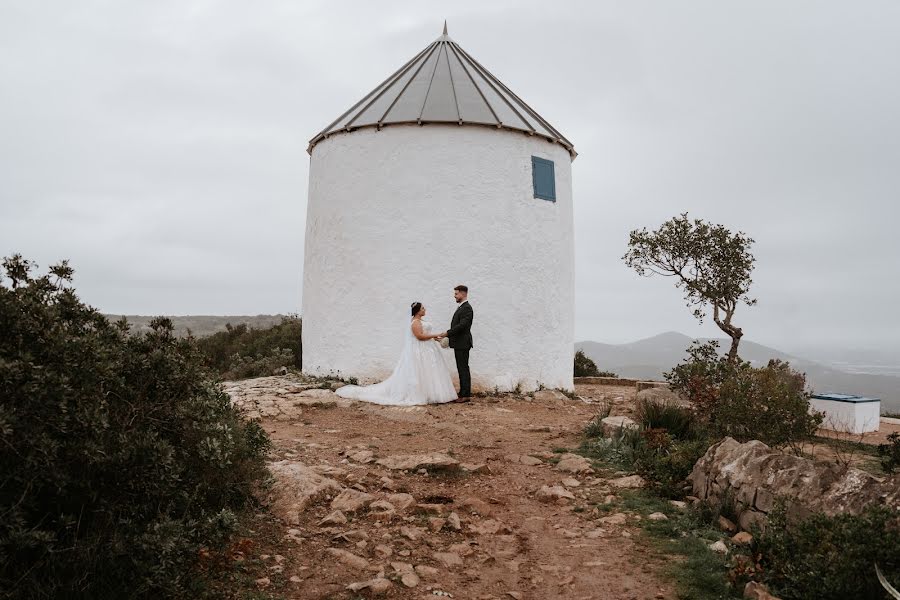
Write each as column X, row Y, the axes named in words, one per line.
column 475, row 531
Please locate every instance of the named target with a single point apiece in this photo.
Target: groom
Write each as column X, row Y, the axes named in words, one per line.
column 460, row 334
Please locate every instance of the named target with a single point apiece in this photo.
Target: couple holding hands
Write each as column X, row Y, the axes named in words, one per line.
column 421, row 376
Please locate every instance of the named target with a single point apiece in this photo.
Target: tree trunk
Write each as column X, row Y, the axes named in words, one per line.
column 735, row 340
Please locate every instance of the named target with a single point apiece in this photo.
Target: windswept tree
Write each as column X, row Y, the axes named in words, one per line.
column 711, row 265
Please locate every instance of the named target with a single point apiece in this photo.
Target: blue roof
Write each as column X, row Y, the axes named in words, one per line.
column 844, row 398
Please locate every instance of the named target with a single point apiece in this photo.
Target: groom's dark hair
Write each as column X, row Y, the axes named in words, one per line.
column 462, row 288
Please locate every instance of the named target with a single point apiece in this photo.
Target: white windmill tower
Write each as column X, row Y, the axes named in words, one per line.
column 440, row 176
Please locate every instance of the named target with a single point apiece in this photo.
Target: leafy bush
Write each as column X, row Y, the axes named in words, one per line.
column 770, row 404
column 241, row 351
column 242, row 367
column 594, row 428
column 585, row 367
column 890, row 453
column 831, row 557
column 617, row 451
column 677, row 421
column 665, row 462
column 120, row 457
column 663, row 450
column 700, row 376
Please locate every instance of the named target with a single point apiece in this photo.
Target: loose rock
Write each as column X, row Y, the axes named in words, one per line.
column 411, row 462
column 614, row 425
column 448, row 559
column 334, row 518
column 554, row 494
column 657, row 516
column 742, row 538
column 475, row 468
column 426, row 572
column 351, row 500
column 376, row 586
column 549, row 396
column 381, row 508
column 296, row 487
column 757, row 591
column 616, row 519
column 401, row 501
column 573, row 463
column 348, row 558
column 412, row 533
column 726, row 525
column 629, row 482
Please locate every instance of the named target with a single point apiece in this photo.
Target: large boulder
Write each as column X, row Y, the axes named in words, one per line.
column 411, row 462
column 573, row 463
column 296, row 487
column 754, row 476
column 613, row 426
column 549, row 396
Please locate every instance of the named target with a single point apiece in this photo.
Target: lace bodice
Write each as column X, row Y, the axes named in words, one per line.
column 427, row 327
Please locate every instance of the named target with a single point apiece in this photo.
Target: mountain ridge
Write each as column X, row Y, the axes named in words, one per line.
column 649, row 358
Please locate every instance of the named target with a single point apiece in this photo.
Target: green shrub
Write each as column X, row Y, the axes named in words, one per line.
column 770, row 404
column 594, row 428
column 242, row 367
column 241, row 351
column 665, row 462
column 677, row 421
column 584, row 366
column 120, row 457
column 831, row 557
column 617, row 451
column 890, row 453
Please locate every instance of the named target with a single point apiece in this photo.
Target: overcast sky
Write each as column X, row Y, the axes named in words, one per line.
column 161, row 145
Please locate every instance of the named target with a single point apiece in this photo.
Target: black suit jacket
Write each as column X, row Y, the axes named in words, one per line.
column 460, row 332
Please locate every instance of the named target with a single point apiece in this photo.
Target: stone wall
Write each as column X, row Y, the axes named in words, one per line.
column 753, row 477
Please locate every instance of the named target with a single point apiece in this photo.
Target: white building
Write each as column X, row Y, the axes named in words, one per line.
column 441, row 176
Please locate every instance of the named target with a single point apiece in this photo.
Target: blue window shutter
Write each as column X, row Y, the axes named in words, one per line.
column 544, row 178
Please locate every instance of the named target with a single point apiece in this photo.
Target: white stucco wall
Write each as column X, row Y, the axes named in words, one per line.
column 405, row 214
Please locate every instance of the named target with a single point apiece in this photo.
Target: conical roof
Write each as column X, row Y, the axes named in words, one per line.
column 443, row 84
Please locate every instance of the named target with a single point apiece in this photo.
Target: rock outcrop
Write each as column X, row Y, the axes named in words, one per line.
column 296, row 486
column 753, row 477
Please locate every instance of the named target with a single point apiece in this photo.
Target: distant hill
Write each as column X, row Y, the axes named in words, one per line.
column 651, row 357
column 202, row 325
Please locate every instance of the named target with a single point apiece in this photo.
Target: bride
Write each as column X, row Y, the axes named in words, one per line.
column 420, row 377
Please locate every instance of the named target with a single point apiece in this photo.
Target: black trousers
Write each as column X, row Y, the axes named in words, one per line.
column 462, row 365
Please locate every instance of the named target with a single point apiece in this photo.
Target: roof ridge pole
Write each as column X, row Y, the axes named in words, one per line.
column 445, row 26
column 487, row 80
column 430, row 47
column 452, row 85
column 405, row 68
column 524, row 104
column 355, row 106
column 475, row 85
column 430, row 81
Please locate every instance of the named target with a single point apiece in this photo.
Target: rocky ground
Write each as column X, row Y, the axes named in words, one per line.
column 476, row 501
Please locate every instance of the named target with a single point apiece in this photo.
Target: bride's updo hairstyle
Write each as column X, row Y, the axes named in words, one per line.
column 416, row 307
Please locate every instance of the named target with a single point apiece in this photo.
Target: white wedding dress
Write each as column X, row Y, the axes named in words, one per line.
column 420, row 377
